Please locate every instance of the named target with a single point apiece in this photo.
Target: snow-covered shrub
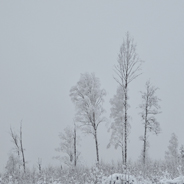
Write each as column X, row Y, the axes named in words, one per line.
column 118, row 178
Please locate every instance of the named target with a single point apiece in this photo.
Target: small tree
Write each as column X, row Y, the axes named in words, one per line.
column 127, row 69
column 172, row 155
column 12, row 165
column 88, row 99
column 150, row 109
column 68, row 146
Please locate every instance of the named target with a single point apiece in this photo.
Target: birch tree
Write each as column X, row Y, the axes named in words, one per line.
column 150, row 108
column 127, row 69
column 88, row 99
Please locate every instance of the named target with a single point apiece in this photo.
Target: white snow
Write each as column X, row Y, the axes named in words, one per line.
column 118, row 178
column 178, row 180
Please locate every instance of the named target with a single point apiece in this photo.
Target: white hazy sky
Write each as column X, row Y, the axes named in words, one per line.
column 46, row 45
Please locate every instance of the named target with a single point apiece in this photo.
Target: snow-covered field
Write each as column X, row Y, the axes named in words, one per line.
column 115, row 178
column 118, row 178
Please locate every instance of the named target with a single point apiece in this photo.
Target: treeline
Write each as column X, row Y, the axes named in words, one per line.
column 88, row 98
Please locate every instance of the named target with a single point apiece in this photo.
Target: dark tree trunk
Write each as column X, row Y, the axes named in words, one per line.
column 95, row 136
column 145, row 140
column 96, row 143
column 123, row 158
column 22, row 150
column 126, row 124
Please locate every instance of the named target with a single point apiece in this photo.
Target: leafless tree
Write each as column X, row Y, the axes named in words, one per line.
column 150, row 108
column 127, row 69
column 22, row 149
column 17, row 140
column 88, row 99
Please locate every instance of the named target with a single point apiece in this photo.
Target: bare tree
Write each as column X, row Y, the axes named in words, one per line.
column 17, row 140
column 127, row 69
column 22, row 149
column 88, row 99
column 150, row 109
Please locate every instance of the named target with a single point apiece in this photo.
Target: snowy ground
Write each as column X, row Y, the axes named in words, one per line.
column 115, row 178
column 124, row 179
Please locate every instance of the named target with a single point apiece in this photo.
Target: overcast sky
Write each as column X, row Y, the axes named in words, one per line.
column 46, row 45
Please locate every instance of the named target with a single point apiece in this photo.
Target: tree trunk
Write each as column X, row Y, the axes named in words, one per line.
column 145, row 140
column 75, row 146
column 126, row 125
column 22, row 150
column 145, row 132
column 96, row 143
column 123, row 158
column 122, row 147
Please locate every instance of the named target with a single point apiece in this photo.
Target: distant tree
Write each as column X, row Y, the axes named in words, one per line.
column 12, row 165
column 150, row 108
column 182, row 158
column 172, row 155
column 88, row 99
column 182, row 151
column 17, row 141
column 39, row 165
column 117, row 126
column 127, row 69
column 75, row 144
column 22, row 149
column 68, row 146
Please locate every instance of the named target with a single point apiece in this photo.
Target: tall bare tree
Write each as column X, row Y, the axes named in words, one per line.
column 88, row 99
column 150, row 108
column 127, row 69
